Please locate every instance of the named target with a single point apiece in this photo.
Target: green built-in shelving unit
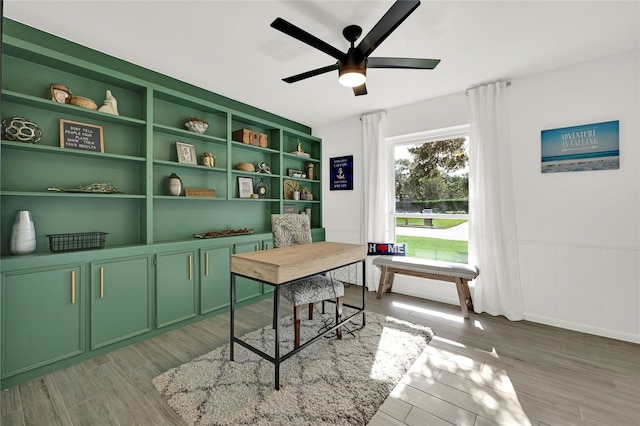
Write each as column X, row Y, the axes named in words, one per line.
column 164, row 277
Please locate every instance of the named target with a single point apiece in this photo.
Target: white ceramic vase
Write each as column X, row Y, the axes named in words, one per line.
column 23, row 234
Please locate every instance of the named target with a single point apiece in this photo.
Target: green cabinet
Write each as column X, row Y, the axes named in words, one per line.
column 214, row 278
column 175, row 287
column 120, row 299
column 42, row 320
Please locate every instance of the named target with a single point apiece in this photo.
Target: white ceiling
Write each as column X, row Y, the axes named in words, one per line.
column 229, row 48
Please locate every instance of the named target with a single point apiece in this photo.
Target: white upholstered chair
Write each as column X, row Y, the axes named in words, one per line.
column 291, row 230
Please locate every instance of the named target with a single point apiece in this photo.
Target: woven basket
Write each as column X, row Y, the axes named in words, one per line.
column 246, row 167
column 83, row 102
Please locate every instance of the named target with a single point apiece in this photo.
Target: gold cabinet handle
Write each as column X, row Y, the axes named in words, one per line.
column 73, row 287
column 190, row 265
column 206, row 264
column 101, row 282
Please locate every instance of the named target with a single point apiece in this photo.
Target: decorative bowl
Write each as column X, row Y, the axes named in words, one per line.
column 83, row 102
column 196, row 126
column 246, row 167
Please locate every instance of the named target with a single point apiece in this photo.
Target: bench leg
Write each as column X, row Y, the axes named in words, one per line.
column 383, row 274
column 464, row 295
column 467, row 293
column 390, row 281
column 386, row 281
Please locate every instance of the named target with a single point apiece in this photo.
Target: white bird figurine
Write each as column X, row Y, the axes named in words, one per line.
column 110, row 104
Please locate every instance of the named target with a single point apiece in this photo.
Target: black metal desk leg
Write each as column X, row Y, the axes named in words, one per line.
column 276, row 321
column 232, row 313
column 364, row 291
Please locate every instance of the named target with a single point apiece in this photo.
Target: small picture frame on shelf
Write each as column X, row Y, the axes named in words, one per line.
column 186, row 153
column 289, row 209
column 245, row 187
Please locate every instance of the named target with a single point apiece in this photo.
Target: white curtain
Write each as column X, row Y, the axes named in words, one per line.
column 492, row 233
column 375, row 227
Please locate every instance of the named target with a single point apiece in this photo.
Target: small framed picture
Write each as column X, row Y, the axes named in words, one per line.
column 186, row 153
column 289, row 209
column 245, row 187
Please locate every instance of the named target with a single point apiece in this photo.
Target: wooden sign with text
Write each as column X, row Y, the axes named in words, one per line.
column 76, row 135
column 200, row 192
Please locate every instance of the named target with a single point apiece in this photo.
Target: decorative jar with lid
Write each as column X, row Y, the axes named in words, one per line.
column 173, row 185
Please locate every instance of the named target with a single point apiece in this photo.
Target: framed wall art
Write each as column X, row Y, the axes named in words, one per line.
column 581, row 148
column 341, row 173
column 186, row 153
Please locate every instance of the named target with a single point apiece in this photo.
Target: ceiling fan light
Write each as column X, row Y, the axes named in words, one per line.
column 352, row 73
column 352, row 78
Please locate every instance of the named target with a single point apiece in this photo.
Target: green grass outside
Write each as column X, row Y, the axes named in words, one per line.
column 435, row 248
column 437, row 223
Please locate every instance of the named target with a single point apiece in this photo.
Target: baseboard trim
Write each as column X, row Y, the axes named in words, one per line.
column 583, row 328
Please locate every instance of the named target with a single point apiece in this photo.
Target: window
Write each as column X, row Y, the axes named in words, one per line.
column 431, row 193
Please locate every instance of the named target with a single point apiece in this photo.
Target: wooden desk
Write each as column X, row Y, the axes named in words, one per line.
column 283, row 266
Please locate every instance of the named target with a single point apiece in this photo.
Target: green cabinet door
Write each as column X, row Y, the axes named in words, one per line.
column 214, row 278
column 245, row 288
column 175, row 287
column 120, row 300
column 42, row 317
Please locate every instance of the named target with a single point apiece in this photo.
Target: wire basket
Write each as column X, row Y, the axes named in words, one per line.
column 60, row 243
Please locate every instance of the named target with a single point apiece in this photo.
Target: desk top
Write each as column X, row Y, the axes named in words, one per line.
column 285, row 264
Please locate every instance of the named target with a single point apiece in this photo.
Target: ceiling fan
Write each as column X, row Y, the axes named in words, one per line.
column 352, row 65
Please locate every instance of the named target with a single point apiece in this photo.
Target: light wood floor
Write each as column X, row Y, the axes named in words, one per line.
column 481, row 371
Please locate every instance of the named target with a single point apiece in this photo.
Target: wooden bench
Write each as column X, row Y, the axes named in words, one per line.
column 458, row 273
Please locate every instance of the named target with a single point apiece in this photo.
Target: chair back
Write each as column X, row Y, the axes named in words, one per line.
column 290, row 230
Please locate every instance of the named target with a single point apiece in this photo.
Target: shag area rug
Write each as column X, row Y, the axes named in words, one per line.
column 331, row 382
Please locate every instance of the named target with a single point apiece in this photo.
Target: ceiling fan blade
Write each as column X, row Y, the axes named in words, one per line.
column 360, row 90
column 300, row 34
column 311, row 73
column 400, row 10
column 406, row 63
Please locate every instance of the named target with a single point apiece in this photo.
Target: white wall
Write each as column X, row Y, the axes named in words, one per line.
column 579, row 232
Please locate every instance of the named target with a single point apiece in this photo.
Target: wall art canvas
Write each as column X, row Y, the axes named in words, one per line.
column 341, row 173
column 581, row 148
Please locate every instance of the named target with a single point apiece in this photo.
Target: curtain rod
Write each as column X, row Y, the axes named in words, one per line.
column 370, row 113
column 466, row 92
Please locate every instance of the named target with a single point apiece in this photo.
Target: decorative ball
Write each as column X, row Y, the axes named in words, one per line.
column 20, row 129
